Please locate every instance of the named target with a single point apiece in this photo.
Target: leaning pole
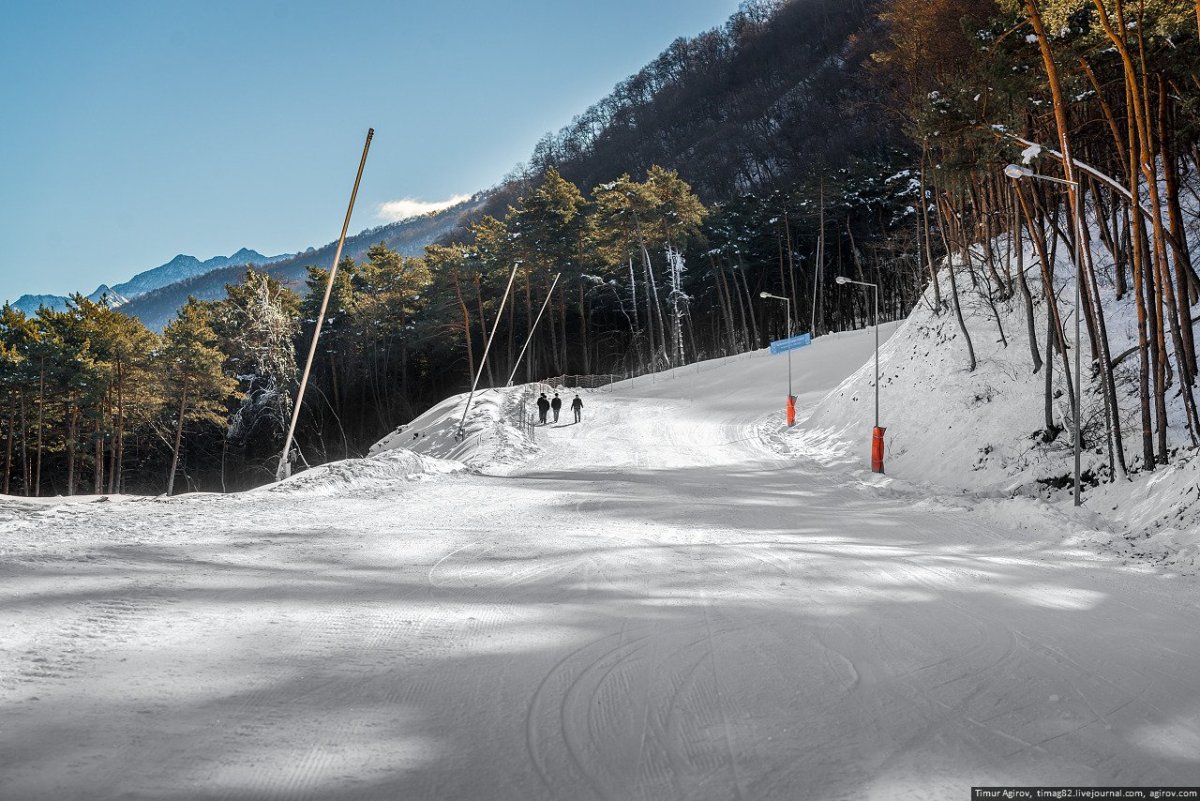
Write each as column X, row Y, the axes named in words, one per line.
column 285, row 467
column 499, row 315
column 529, row 338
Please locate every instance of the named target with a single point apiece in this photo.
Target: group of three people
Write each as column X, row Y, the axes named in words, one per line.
column 545, row 405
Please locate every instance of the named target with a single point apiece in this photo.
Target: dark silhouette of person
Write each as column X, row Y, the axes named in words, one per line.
column 543, row 407
column 577, row 407
column 556, row 405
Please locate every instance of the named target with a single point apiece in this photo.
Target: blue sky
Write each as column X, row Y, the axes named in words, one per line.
column 137, row 130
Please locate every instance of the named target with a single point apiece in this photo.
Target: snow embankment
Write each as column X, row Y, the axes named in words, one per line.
column 981, row 434
column 493, row 434
column 1160, row 512
column 369, row 475
column 976, row 431
column 492, row 437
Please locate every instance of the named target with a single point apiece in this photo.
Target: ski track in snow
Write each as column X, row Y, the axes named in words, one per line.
column 659, row 603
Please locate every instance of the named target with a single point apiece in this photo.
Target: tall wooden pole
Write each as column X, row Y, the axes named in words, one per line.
column 486, row 350
column 285, row 468
column 529, row 338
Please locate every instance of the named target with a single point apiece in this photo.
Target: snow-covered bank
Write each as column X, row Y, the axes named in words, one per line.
column 358, row 476
column 493, row 435
column 980, row 433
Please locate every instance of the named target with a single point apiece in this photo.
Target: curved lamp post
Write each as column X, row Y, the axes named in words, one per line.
column 791, row 399
column 877, row 433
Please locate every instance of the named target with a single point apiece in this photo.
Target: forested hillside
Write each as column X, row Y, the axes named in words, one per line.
column 773, row 98
column 800, row 141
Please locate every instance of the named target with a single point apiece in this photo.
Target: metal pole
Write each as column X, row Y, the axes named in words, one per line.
column 788, row 301
column 529, row 338
column 788, row 311
column 284, row 469
column 1078, row 314
column 486, row 349
column 876, row 288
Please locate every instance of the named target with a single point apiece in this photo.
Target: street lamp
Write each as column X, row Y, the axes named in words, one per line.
column 791, row 399
column 1017, row 172
column 877, row 433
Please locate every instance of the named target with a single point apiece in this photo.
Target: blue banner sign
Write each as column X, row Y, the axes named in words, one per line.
column 782, row 345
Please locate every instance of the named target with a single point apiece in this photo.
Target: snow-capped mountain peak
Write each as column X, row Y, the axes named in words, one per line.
column 179, row 268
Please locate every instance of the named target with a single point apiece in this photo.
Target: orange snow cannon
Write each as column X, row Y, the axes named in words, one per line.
column 791, row 410
column 877, row 449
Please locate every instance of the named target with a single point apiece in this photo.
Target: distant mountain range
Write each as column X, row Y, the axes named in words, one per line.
column 183, row 267
column 103, row 294
column 177, row 269
column 406, row 237
column 155, row 295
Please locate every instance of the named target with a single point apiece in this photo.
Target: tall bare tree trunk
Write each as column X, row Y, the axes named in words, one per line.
column 1185, row 275
column 178, row 439
column 533, row 354
column 98, row 456
column 962, row 325
column 72, row 415
column 636, row 322
column 1104, row 368
column 8, row 451
column 654, row 311
column 562, row 321
column 725, row 301
column 37, row 480
column 583, row 332
column 749, row 302
column 466, row 321
column 933, row 279
column 25, row 482
column 1052, row 427
column 483, row 325
column 791, row 259
column 118, row 446
column 1140, row 162
column 1058, row 339
column 512, row 333
column 819, row 268
column 1018, row 244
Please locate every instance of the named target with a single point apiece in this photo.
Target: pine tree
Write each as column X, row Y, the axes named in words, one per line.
column 17, row 336
column 391, row 294
column 256, row 325
column 193, row 375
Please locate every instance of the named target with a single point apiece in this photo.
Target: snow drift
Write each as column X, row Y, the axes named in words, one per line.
column 983, row 432
column 495, row 433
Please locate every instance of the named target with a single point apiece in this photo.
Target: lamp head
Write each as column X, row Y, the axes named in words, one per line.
column 841, row 279
column 764, row 294
column 1017, row 171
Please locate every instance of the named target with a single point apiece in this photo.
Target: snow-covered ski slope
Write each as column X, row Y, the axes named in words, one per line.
column 659, row 603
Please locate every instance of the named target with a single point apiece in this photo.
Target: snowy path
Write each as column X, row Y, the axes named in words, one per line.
column 658, row 607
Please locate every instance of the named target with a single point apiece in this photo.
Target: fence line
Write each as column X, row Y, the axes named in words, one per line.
column 583, row 381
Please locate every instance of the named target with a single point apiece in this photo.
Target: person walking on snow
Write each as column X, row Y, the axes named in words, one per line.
column 543, row 407
column 556, row 404
column 577, row 407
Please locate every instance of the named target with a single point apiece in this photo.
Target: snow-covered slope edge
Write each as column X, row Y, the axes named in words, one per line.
column 978, row 435
column 364, row 476
column 492, row 441
column 492, row 435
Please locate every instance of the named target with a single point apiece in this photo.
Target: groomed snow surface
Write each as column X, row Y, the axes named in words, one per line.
column 678, row 598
